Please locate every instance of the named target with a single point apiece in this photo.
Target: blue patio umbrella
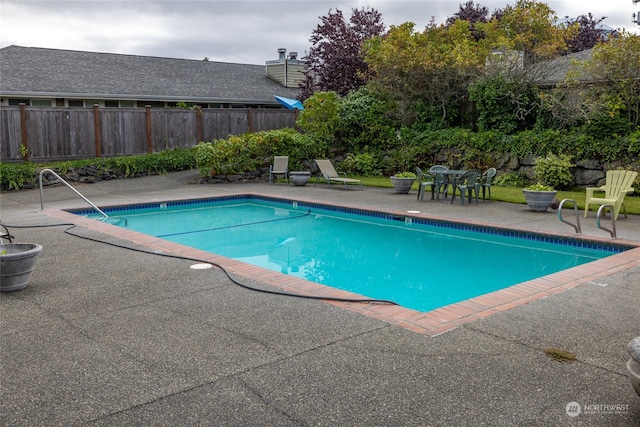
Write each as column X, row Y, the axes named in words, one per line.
column 291, row 104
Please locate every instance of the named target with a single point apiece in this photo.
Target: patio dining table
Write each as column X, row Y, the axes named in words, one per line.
column 451, row 175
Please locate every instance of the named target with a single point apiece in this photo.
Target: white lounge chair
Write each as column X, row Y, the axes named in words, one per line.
column 331, row 176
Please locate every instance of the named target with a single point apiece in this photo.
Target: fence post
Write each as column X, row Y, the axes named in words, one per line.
column 250, row 119
column 199, row 124
column 96, row 128
column 24, row 148
column 149, row 130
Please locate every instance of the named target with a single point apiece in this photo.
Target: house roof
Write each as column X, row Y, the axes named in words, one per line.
column 557, row 69
column 29, row 71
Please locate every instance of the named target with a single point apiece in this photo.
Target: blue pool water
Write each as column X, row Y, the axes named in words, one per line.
column 419, row 264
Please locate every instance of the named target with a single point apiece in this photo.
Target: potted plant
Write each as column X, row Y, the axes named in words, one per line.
column 17, row 262
column 539, row 197
column 403, row 181
column 551, row 171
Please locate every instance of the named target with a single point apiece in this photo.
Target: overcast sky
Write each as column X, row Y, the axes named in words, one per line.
column 239, row 31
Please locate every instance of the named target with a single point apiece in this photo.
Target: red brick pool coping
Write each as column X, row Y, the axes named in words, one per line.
column 429, row 323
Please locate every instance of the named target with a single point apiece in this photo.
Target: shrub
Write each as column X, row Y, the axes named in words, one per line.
column 366, row 164
column 554, row 170
column 162, row 162
column 14, row 176
column 405, row 175
column 511, row 179
column 367, row 121
column 603, row 126
column 321, row 116
column 248, row 152
column 539, row 187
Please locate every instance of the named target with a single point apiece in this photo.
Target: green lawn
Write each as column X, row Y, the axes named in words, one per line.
column 514, row 194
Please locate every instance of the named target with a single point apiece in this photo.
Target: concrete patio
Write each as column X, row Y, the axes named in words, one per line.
column 104, row 336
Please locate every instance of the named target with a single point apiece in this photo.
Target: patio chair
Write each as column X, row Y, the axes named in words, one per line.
column 486, row 181
column 328, row 172
column 618, row 183
column 431, row 179
column 467, row 183
column 280, row 166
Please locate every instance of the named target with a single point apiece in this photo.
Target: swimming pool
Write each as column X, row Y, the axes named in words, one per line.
column 421, row 264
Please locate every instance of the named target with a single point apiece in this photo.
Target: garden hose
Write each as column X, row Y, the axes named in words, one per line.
column 220, row 267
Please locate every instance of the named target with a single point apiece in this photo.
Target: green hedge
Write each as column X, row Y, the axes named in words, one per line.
column 525, row 143
column 14, row 176
column 251, row 151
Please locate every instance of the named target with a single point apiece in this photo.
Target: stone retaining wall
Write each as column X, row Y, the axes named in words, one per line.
column 587, row 173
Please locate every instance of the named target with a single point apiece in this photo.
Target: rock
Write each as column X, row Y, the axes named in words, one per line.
column 588, row 177
column 589, row 164
column 72, row 176
column 215, row 181
column 513, row 163
column 527, row 171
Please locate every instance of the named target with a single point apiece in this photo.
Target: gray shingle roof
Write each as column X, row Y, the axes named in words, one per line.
column 559, row 67
column 65, row 73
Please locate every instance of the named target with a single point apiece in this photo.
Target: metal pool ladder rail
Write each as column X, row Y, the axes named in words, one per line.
column 43, row 171
column 576, row 226
column 613, row 220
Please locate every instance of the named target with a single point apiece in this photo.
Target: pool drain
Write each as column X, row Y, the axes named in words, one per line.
column 200, row 266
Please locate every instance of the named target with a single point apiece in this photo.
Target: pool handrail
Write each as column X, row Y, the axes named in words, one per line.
column 613, row 220
column 43, row 171
column 576, row 226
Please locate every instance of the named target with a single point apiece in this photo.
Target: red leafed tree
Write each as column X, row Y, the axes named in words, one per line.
column 334, row 61
column 588, row 34
column 471, row 12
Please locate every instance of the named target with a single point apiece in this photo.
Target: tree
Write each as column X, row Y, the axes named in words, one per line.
column 433, row 67
column 473, row 14
column 602, row 93
column 368, row 121
column 528, row 27
column 334, row 61
column 503, row 105
column 615, row 70
column 523, row 39
column 588, row 34
column 321, row 116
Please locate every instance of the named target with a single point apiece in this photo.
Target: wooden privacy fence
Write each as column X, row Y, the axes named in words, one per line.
column 42, row 134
